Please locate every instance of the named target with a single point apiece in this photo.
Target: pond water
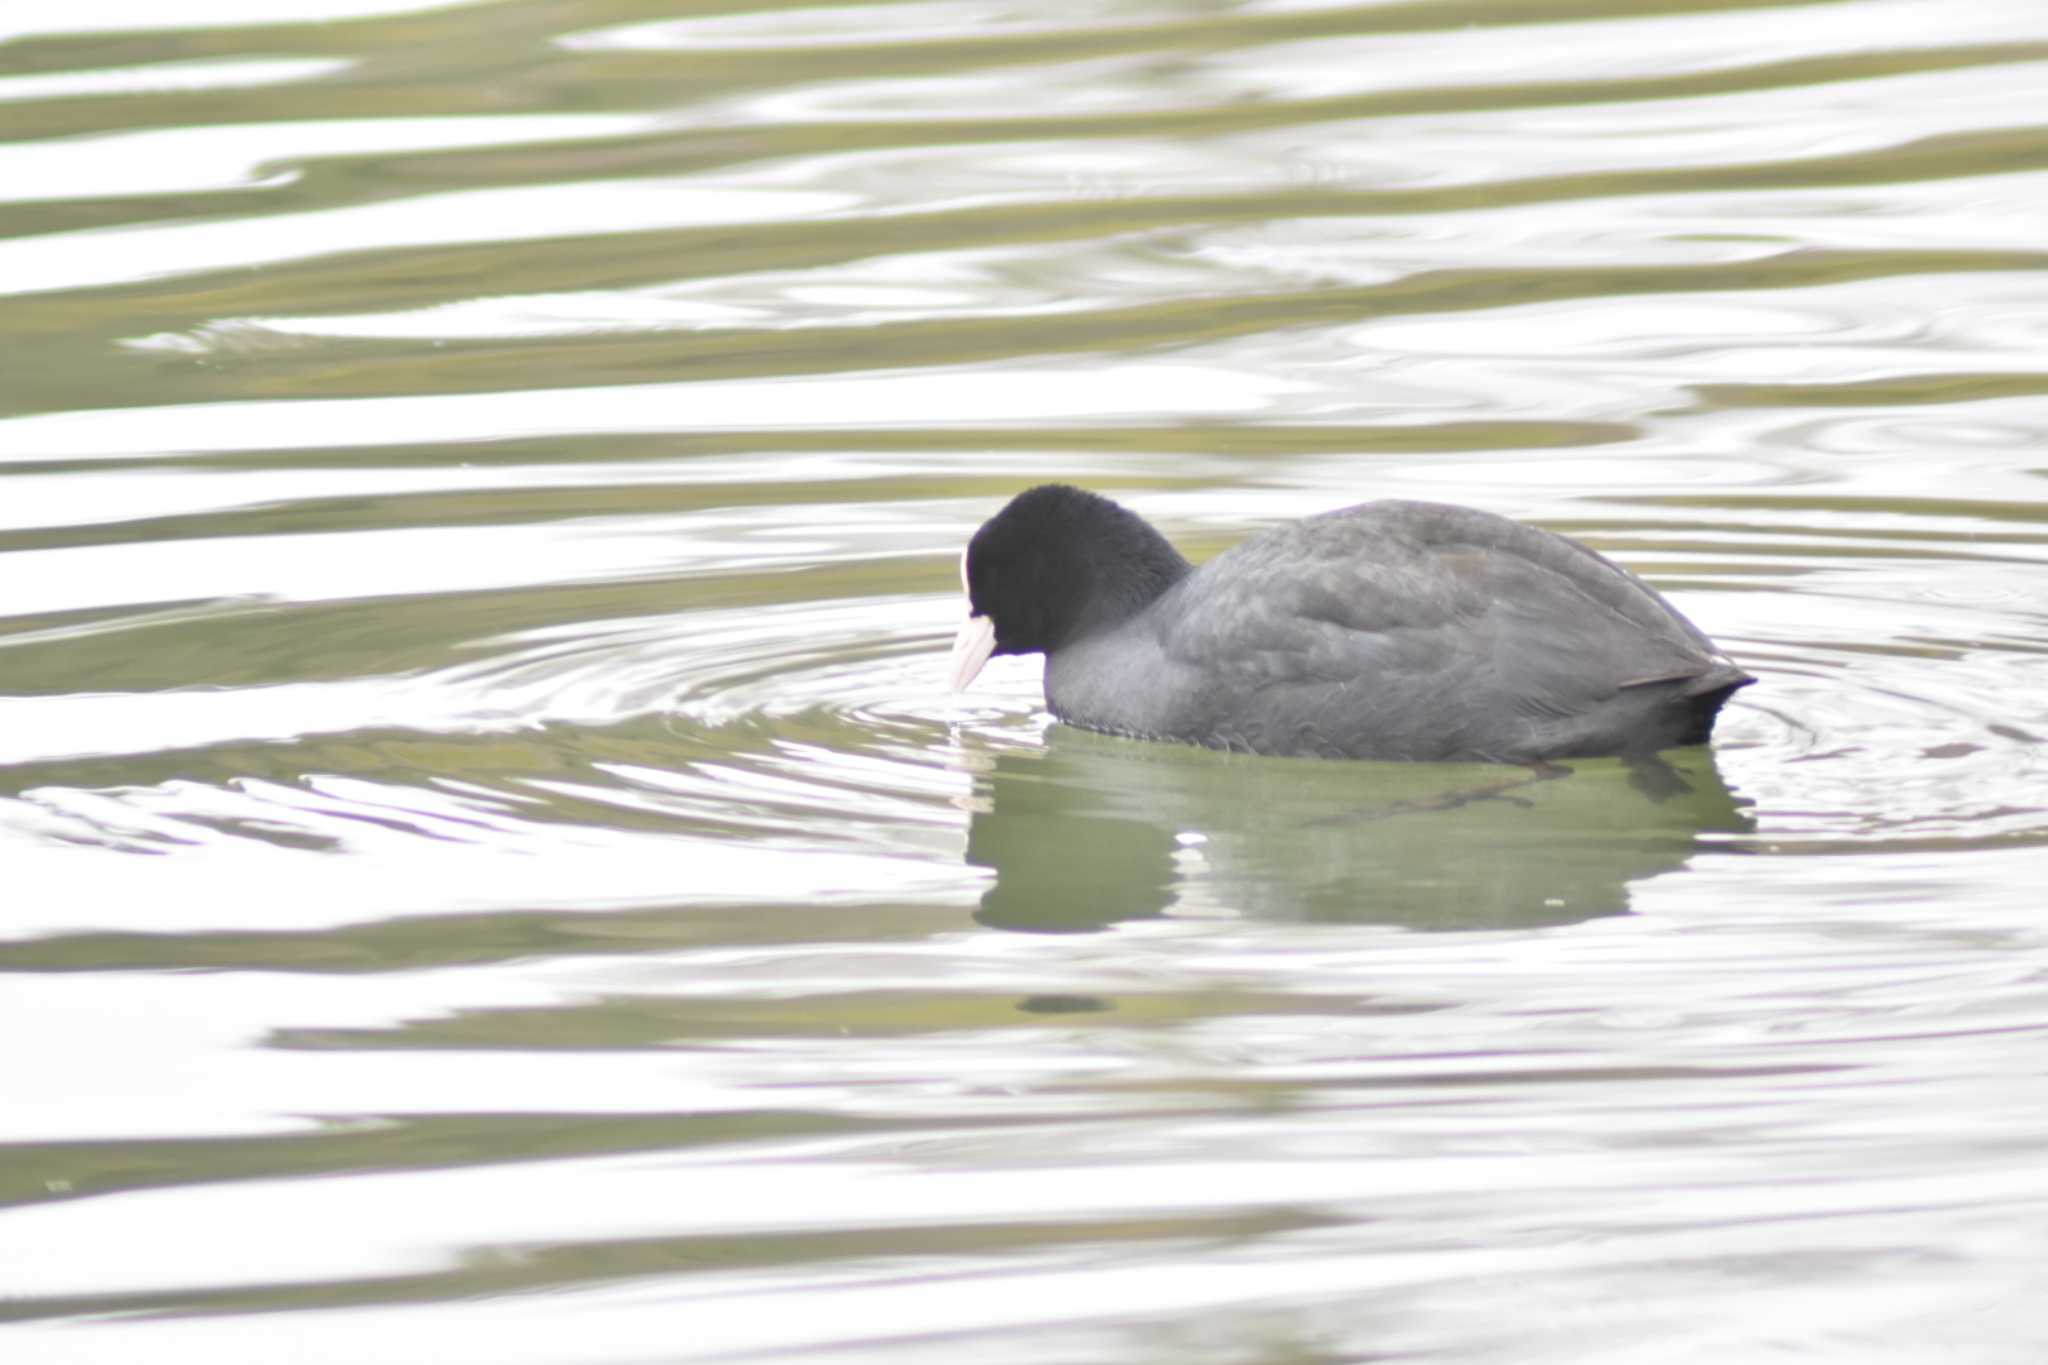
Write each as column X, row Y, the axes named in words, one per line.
column 494, row 874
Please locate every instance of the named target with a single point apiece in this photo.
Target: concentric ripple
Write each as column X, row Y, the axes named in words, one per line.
column 819, row 725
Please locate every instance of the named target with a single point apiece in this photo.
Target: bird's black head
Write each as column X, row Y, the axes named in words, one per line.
column 1059, row 563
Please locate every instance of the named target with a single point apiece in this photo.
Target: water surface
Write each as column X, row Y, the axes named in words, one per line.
column 496, row 876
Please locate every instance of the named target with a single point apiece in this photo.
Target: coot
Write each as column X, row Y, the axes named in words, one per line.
column 1390, row 630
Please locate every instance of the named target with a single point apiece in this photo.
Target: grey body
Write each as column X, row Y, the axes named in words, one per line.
column 1401, row 630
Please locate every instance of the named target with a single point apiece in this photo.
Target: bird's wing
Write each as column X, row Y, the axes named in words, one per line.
column 1415, row 600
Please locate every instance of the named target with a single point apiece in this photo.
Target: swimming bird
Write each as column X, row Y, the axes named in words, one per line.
column 1389, row 630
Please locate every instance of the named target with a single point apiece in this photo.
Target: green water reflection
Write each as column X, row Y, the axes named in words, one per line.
column 1091, row 831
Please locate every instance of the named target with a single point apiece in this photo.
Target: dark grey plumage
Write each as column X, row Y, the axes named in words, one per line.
column 1391, row 630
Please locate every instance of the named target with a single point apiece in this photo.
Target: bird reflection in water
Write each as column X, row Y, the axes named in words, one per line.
column 1091, row 831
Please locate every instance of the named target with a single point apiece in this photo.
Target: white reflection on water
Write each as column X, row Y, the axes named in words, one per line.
column 114, row 16
column 1645, row 46
column 249, row 156
column 863, row 25
column 225, row 74
column 229, row 880
column 313, row 567
column 1116, row 391
column 874, row 289
column 73, row 259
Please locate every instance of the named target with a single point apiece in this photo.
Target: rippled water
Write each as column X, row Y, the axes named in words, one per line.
column 495, row 876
